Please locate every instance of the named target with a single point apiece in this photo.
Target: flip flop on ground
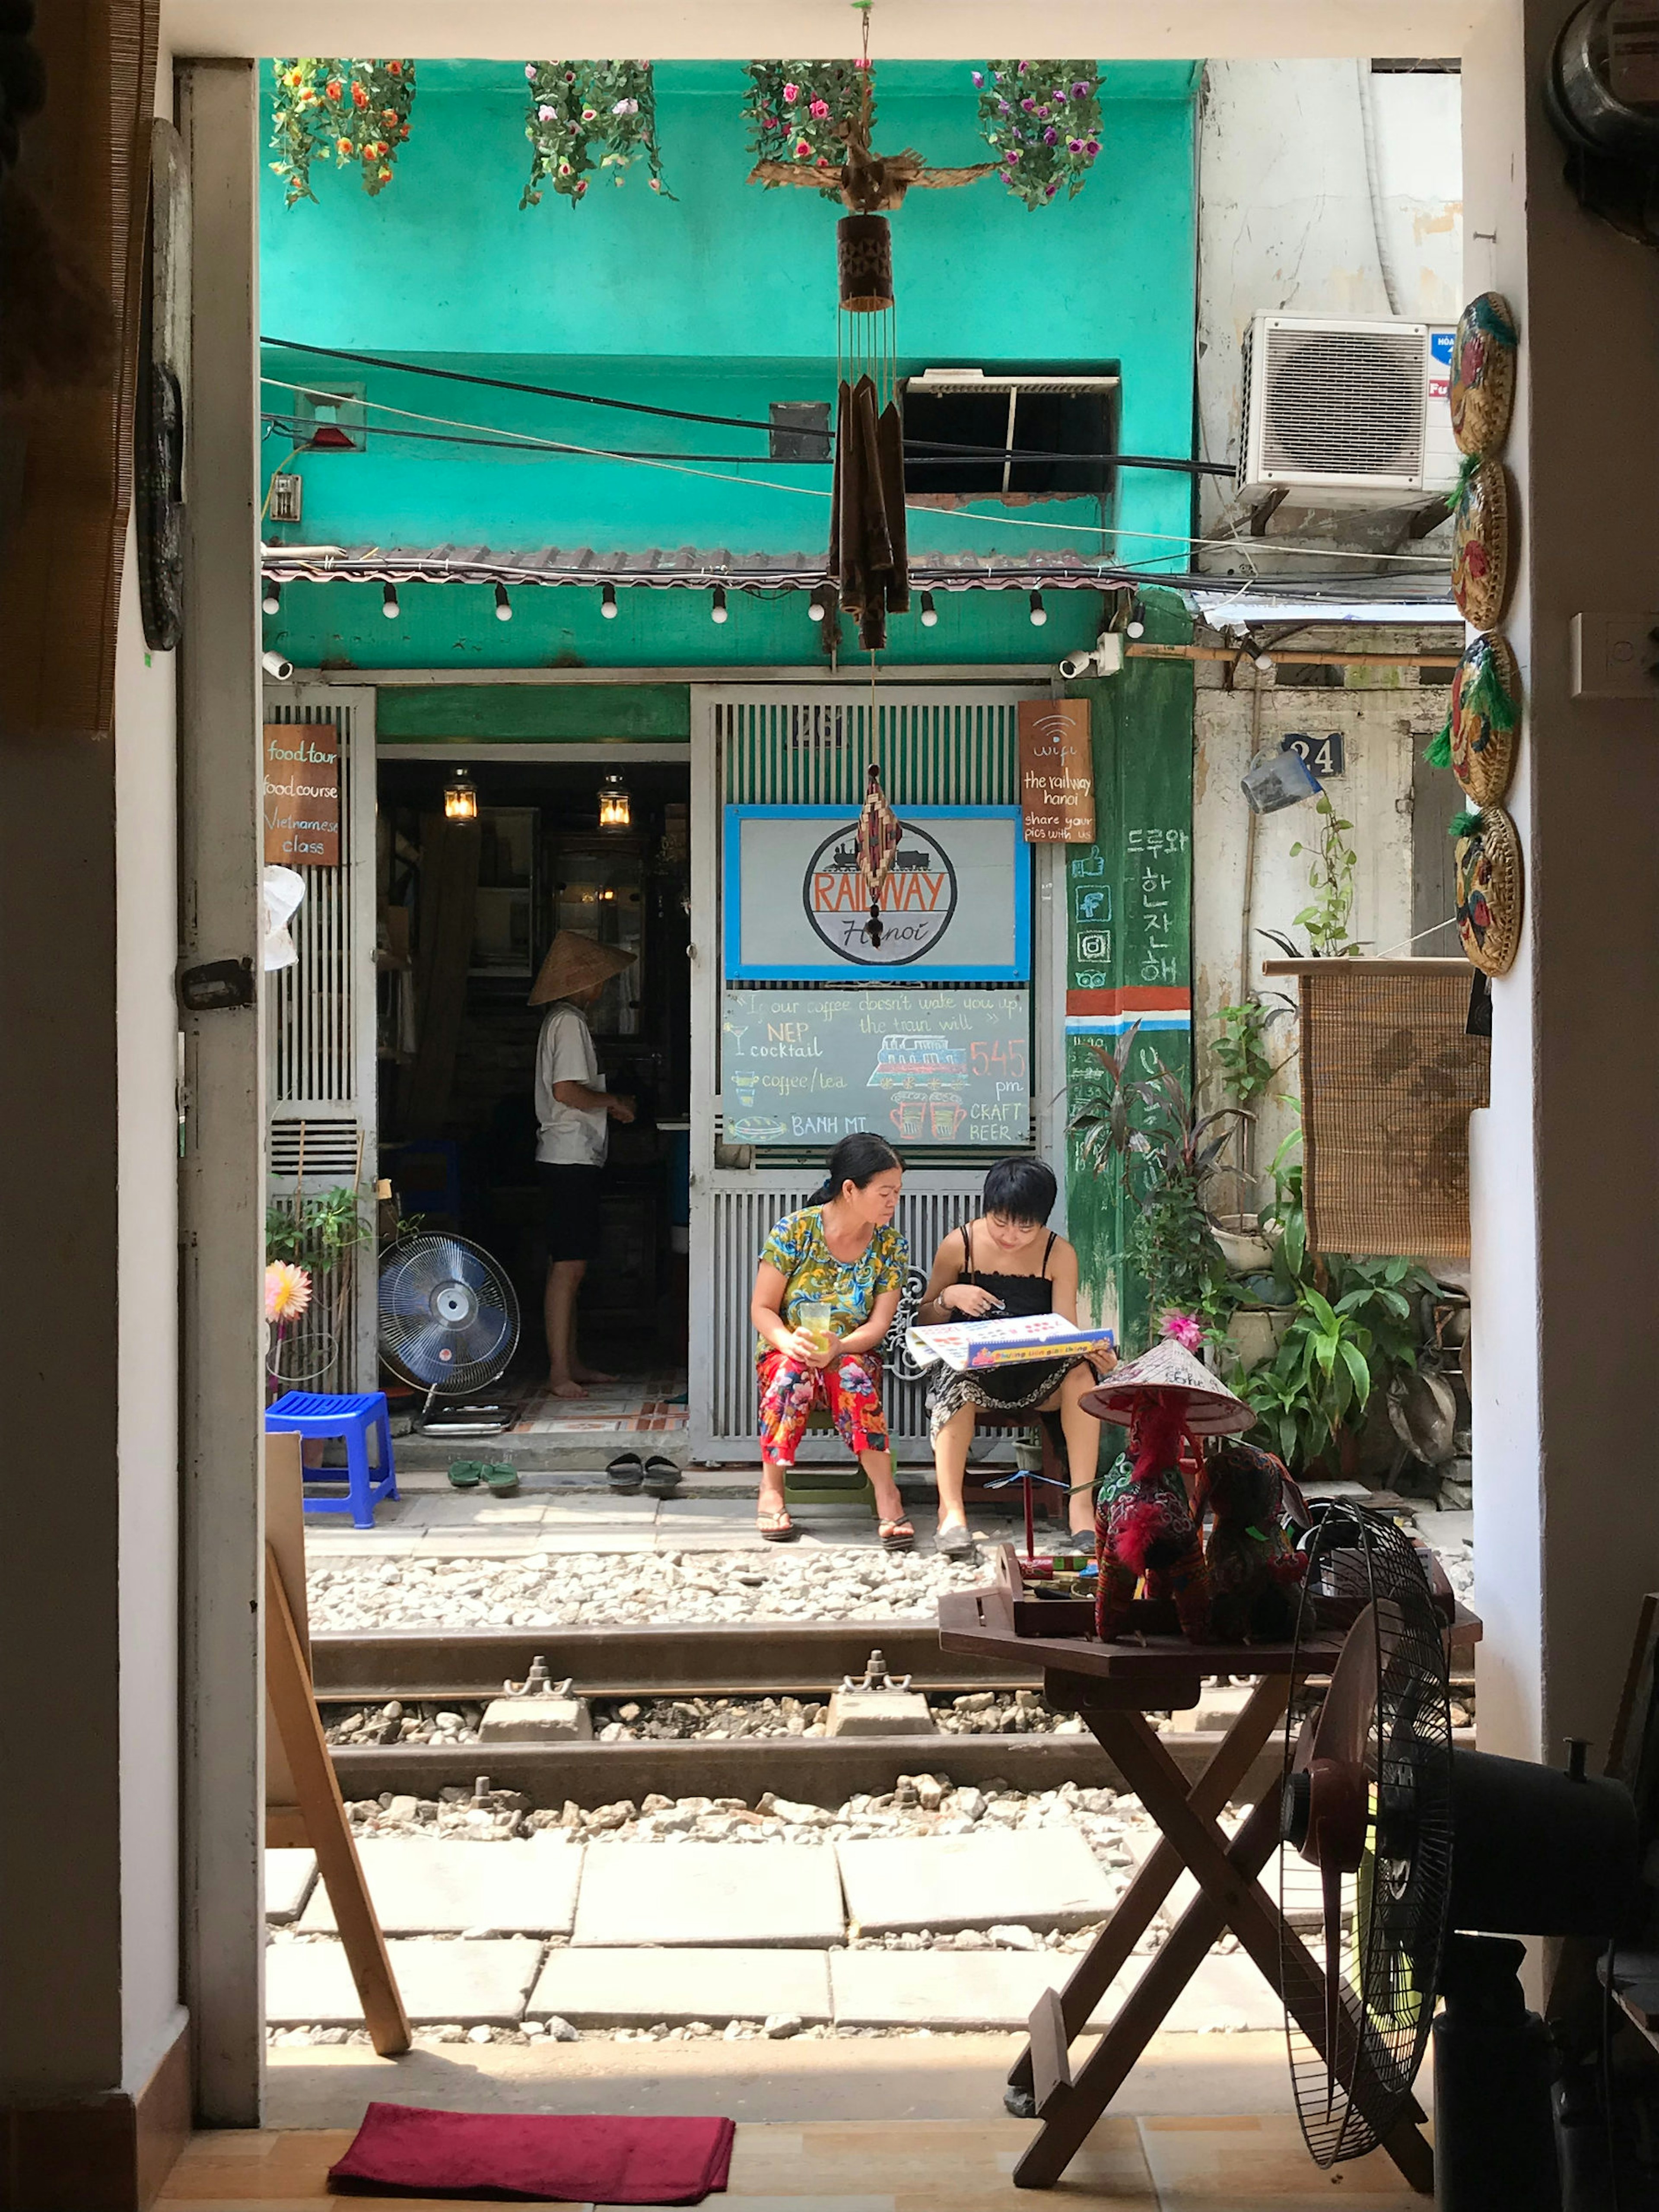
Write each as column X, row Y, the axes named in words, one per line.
column 662, row 1476
column 625, row 1472
column 777, row 1527
column 896, row 1536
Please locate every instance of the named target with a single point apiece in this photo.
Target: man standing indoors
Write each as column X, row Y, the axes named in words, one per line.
column 575, row 1113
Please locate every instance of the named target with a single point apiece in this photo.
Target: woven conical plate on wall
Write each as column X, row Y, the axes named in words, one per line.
column 1489, row 891
column 1481, row 568
column 1482, row 387
column 1485, row 718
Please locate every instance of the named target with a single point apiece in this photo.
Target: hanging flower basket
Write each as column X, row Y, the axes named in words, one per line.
column 798, row 111
column 586, row 119
column 1041, row 120
column 357, row 111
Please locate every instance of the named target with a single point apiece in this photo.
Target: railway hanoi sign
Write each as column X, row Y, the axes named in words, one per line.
column 956, row 908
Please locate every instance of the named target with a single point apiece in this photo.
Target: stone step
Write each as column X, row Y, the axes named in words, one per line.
column 997, row 1989
column 476, row 1983
column 288, row 1876
column 637, row 1989
column 772, row 1895
column 446, row 1888
column 1043, row 1878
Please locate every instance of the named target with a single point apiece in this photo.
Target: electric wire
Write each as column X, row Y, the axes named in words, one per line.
column 525, row 441
column 728, row 421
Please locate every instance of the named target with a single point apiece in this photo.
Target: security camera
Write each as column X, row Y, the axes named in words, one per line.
column 275, row 665
column 1106, row 659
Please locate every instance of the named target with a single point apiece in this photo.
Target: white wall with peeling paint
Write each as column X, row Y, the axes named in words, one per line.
column 1285, row 210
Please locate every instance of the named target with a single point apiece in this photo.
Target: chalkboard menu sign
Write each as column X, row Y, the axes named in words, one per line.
column 920, row 1068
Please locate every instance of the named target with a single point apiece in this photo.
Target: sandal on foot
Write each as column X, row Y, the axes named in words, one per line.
column 501, row 1476
column 777, row 1527
column 625, row 1472
column 662, row 1476
column 896, row 1536
column 466, row 1474
column 955, row 1541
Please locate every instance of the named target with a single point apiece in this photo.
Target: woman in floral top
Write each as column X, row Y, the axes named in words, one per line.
column 841, row 1251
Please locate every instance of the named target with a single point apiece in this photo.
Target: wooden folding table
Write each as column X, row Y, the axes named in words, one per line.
column 1112, row 1687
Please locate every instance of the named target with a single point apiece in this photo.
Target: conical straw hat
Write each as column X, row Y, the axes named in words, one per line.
column 1210, row 1409
column 575, row 963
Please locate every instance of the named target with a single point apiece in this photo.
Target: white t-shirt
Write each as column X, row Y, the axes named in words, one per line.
column 571, row 1136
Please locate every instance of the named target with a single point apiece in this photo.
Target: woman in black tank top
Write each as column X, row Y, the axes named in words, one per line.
column 1033, row 1271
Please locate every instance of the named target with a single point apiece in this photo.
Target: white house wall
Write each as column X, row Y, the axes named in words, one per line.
column 1285, row 221
column 1382, row 728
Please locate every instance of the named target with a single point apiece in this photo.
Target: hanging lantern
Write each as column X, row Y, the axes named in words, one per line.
column 875, row 849
column 461, row 797
column 616, row 807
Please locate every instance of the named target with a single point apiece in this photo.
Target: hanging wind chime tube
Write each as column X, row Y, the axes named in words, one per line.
column 868, row 554
column 875, row 847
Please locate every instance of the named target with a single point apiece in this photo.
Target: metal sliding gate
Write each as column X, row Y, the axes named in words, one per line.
column 319, row 1050
column 809, row 744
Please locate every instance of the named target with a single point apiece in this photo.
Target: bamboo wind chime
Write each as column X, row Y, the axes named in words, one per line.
column 869, row 558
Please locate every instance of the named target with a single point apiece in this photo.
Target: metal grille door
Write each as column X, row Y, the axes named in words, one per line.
column 319, row 1040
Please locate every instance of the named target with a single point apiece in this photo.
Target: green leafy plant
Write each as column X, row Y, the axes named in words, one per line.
column 358, row 111
column 1041, row 120
column 1240, row 1047
column 317, row 1233
column 577, row 106
column 797, row 110
column 1330, row 879
column 1148, row 1131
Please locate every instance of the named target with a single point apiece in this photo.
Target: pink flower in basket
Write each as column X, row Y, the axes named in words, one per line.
column 288, row 1291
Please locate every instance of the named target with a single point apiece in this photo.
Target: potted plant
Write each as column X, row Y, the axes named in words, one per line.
column 1149, row 1132
column 1240, row 1051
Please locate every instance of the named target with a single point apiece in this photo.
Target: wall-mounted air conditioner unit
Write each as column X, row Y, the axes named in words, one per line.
column 1357, row 409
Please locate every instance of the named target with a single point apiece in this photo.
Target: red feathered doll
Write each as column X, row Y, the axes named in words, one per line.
column 1143, row 1528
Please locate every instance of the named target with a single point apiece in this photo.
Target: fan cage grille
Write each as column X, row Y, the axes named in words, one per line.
column 1341, row 403
column 417, row 1343
column 1393, row 1909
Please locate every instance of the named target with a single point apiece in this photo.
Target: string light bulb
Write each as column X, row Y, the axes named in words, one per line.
column 461, row 793
column 929, row 612
column 616, row 807
column 270, row 599
column 503, row 604
column 1039, row 612
column 817, row 607
column 608, row 602
column 389, row 606
column 717, row 611
column 1136, row 625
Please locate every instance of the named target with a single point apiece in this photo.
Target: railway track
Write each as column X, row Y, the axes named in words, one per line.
column 470, row 1666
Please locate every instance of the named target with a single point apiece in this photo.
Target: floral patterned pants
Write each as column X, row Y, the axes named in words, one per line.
column 850, row 1388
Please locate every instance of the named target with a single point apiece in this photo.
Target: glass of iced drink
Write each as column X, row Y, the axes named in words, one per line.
column 817, row 1319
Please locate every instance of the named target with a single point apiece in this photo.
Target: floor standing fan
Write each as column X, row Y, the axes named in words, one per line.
column 1394, row 1842
column 449, row 1325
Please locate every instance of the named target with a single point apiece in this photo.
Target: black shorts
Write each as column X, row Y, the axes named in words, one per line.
column 570, row 1209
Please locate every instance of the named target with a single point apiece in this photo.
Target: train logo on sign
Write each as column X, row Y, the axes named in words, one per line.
column 917, row 901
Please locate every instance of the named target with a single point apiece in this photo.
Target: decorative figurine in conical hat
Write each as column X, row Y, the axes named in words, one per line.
column 575, row 963
column 1145, row 1534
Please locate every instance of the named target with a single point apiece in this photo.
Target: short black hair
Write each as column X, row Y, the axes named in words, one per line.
column 1021, row 1190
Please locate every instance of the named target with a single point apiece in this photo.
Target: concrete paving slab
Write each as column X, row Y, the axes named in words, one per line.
column 442, row 1888
column 1228, row 1991
column 474, row 1509
column 787, row 1895
column 288, row 1876
column 944, row 1988
column 1042, row 1878
column 310, row 1985
column 635, row 1989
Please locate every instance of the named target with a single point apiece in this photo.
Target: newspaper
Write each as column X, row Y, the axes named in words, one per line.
column 964, row 1345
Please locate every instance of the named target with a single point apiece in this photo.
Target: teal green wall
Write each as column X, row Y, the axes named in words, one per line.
column 721, row 301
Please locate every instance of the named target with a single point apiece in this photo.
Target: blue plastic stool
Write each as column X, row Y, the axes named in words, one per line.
column 329, row 1414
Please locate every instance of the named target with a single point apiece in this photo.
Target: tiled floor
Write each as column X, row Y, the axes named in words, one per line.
column 637, row 1405
column 1152, row 2165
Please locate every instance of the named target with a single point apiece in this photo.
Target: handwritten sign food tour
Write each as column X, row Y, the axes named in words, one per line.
column 302, row 794
column 920, row 1068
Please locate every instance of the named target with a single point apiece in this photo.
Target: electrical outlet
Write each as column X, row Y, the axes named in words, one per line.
column 287, row 497
column 1615, row 656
